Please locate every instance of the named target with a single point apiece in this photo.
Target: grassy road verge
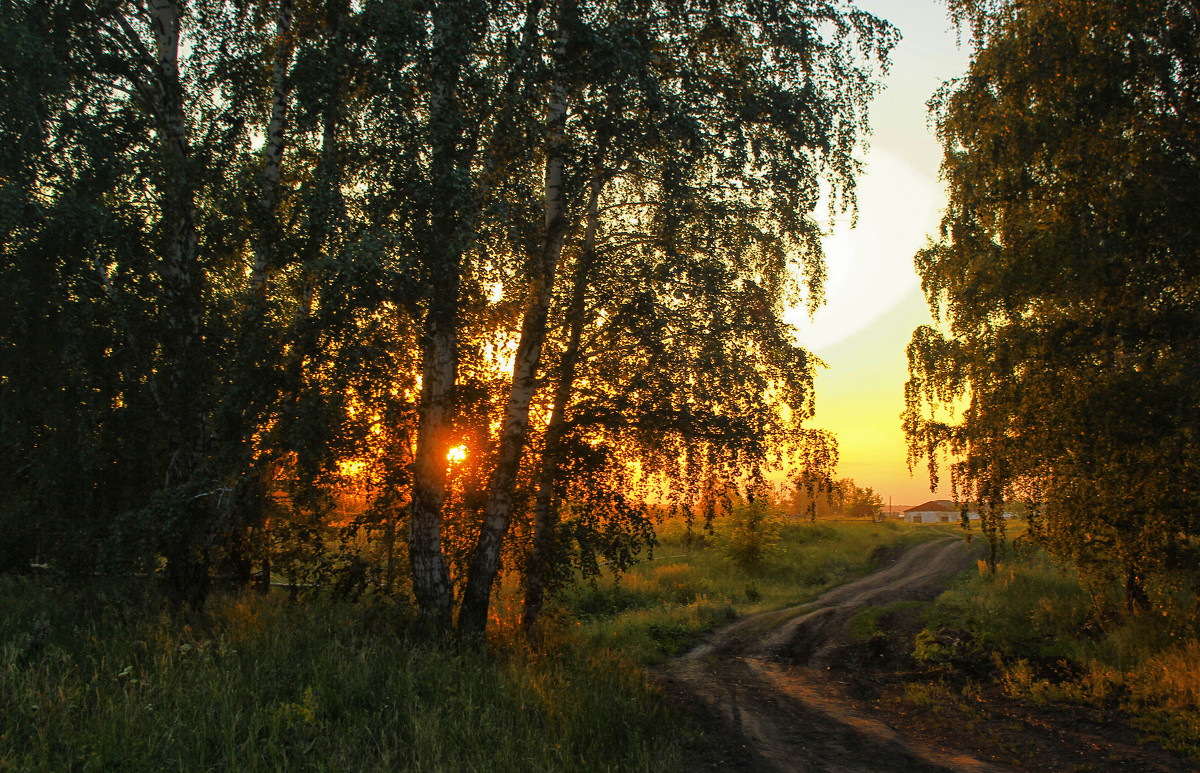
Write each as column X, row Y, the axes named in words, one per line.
column 1035, row 633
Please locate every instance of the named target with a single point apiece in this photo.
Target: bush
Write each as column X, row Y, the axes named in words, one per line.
column 753, row 533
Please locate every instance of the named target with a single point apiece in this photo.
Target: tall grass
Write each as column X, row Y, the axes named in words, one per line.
column 89, row 683
column 1044, row 638
column 101, row 678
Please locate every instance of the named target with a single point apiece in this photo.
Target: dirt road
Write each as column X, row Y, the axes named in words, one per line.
column 759, row 686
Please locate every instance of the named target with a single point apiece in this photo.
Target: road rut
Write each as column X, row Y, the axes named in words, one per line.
column 759, row 687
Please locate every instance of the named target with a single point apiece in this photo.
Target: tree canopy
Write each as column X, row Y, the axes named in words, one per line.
column 1067, row 283
column 269, row 264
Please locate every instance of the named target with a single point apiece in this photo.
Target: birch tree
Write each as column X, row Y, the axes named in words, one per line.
column 1064, row 273
column 515, row 424
column 775, row 156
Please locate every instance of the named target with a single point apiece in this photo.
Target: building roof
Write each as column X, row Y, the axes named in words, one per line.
column 935, row 506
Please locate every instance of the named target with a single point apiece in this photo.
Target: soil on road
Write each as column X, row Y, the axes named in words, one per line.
column 775, row 692
column 756, row 685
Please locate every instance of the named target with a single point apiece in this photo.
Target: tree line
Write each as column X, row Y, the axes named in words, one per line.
column 506, row 270
column 1067, row 283
column 842, row 498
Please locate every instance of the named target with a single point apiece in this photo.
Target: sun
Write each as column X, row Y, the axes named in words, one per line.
column 457, row 454
column 351, row 467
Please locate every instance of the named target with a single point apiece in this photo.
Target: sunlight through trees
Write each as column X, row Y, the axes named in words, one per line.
column 289, row 280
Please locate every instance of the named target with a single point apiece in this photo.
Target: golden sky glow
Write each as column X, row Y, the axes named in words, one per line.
column 457, row 454
column 873, row 294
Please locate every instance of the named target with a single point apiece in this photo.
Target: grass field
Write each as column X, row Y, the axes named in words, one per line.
column 100, row 678
column 656, row 609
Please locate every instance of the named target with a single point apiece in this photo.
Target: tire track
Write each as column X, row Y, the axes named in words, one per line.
column 756, row 687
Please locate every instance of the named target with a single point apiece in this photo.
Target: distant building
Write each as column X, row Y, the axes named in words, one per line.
column 943, row 511
column 933, row 511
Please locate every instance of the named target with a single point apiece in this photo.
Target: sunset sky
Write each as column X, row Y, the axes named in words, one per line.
column 874, row 298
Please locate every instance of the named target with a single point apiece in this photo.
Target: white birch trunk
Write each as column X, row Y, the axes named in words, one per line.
column 472, row 619
column 439, row 345
column 431, row 576
column 545, row 507
column 273, row 149
column 187, row 568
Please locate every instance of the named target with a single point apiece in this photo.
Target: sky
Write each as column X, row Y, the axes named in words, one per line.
column 873, row 294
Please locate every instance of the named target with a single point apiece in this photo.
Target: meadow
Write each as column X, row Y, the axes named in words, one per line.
column 103, row 678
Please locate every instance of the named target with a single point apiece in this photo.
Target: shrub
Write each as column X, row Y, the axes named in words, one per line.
column 753, row 533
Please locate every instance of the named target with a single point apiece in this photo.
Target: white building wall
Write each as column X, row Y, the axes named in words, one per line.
column 937, row 516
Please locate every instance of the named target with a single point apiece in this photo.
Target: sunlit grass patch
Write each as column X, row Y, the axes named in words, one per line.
column 656, row 609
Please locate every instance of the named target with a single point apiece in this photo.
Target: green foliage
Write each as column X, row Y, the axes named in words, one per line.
column 859, row 502
column 696, row 236
column 1065, row 278
column 833, row 498
column 234, row 253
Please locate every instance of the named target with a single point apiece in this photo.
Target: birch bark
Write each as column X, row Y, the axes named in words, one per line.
column 178, row 268
column 439, row 346
column 546, row 506
column 265, row 245
column 273, row 149
column 472, row 619
column 187, row 569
